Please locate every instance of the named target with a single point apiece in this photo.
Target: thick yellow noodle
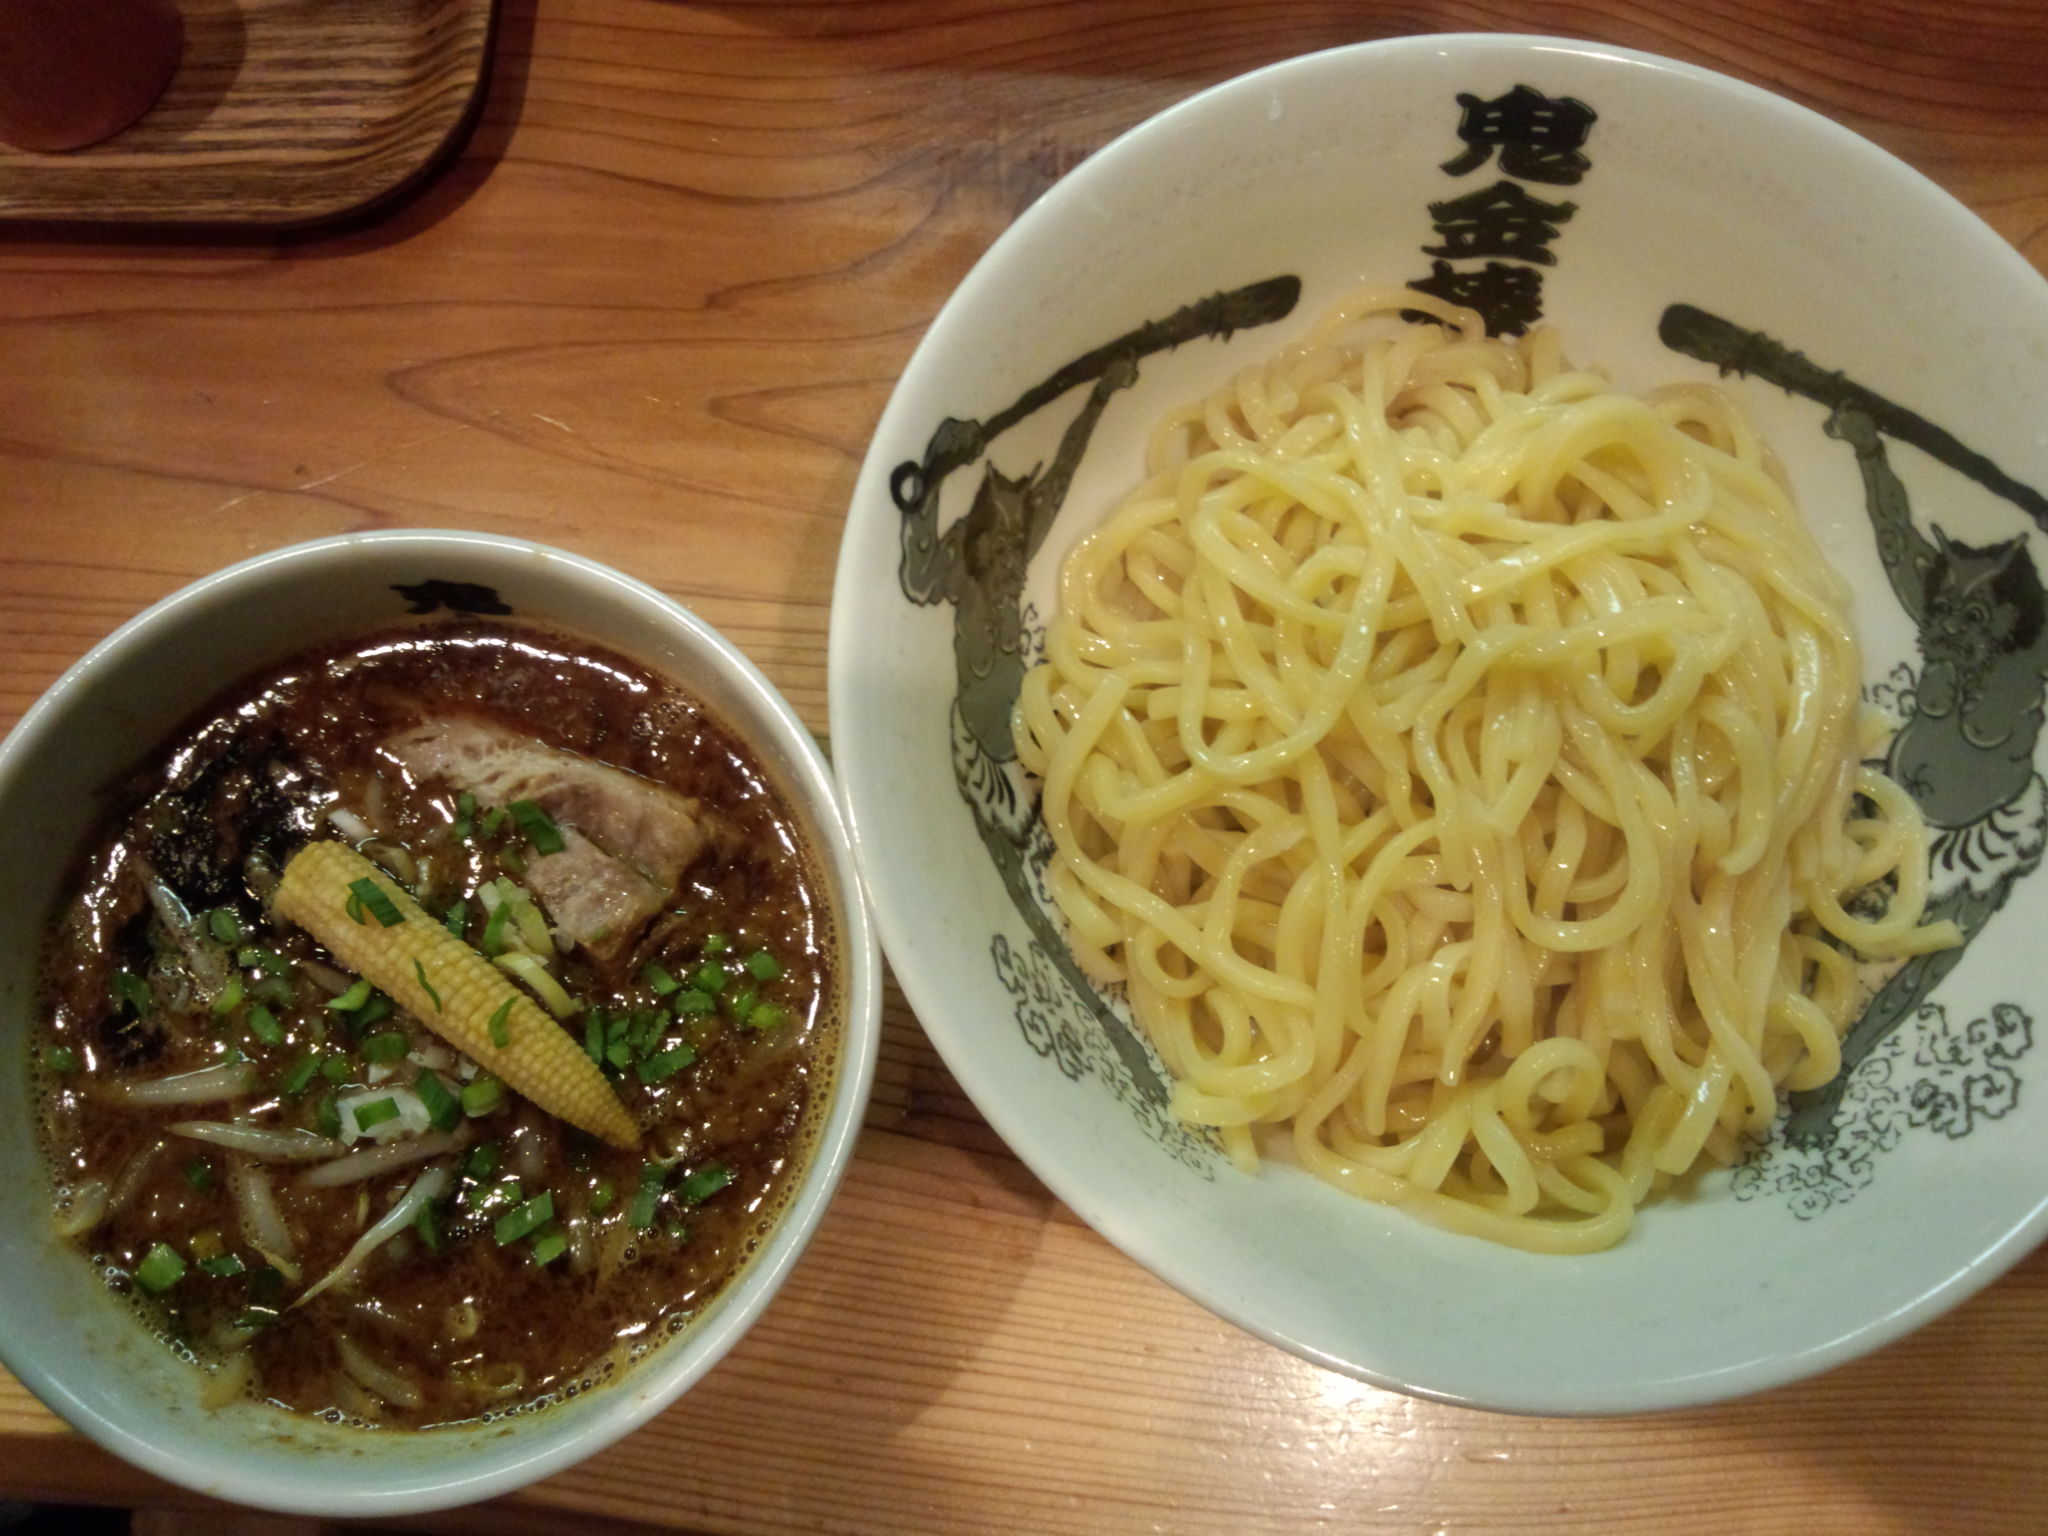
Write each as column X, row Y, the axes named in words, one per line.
column 1460, row 762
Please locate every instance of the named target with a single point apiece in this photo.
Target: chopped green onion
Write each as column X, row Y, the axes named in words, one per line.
column 386, row 1046
column 268, row 961
column 711, row 977
column 512, row 861
column 302, row 1072
column 620, row 1054
column 525, row 1219
column 549, row 1246
column 705, row 1182
column 60, row 1059
column 419, row 971
column 481, row 1096
column 457, row 920
column 274, row 992
column 648, row 1026
column 327, row 1115
column 368, row 896
column 224, row 1265
column 739, row 1002
column 335, row 1068
column 375, row 1011
column 657, row 977
column 533, row 927
column 501, row 1034
column 693, row 1001
column 640, row 1214
column 465, row 815
column 716, row 944
column 483, row 1160
column 264, row 1026
column 355, row 997
column 764, row 966
column 593, row 1035
column 428, row 1225
column 230, row 998
column 602, row 1194
column 160, row 1269
column 443, row 1108
column 659, row 1069
column 494, row 1197
column 494, row 818
column 131, row 989
column 199, row 1174
column 766, row 1016
column 494, row 928
column 225, row 926
column 376, row 1112
column 523, row 967
column 538, row 826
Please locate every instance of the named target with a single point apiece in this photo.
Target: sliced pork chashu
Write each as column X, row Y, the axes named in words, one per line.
column 627, row 840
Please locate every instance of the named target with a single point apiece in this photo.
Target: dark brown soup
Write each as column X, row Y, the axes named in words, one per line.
column 231, row 1113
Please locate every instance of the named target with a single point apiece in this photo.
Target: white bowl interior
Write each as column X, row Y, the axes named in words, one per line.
column 1700, row 190
column 77, row 1346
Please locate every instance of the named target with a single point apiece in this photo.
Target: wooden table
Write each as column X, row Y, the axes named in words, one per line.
column 652, row 314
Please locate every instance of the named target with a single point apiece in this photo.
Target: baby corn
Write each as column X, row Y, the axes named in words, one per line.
column 448, row 986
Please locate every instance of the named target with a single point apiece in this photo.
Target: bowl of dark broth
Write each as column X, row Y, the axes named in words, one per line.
column 437, row 1009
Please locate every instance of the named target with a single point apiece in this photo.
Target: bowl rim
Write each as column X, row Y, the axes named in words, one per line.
column 643, row 1392
column 927, row 995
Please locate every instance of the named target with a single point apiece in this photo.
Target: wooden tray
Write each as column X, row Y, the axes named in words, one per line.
column 283, row 114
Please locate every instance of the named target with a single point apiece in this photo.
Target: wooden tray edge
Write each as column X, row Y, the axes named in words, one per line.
column 356, row 209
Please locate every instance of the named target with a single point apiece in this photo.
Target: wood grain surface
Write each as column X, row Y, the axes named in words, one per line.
column 652, row 314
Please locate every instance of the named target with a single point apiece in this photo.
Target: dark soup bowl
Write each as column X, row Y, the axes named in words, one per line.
column 436, row 1007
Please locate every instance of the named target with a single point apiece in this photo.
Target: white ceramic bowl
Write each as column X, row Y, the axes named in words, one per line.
column 75, row 1345
column 1666, row 186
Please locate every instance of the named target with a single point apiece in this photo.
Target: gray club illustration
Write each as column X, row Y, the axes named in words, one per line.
column 1966, row 753
column 978, row 565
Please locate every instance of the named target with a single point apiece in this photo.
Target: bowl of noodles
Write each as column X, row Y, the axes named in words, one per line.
column 440, row 1007
column 1438, row 666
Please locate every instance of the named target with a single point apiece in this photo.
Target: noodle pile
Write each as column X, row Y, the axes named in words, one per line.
column 1460, row 763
